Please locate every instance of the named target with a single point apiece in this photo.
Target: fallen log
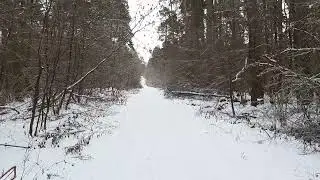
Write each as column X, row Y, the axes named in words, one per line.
column 191, row 93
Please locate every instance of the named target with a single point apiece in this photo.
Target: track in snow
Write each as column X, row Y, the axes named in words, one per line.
column 162, row 139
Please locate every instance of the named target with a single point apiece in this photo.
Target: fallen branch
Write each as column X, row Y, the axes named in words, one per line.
column 11, row 171
column 264, row 129
column 197, row 94
column 10, row 108
column 64, row 132
column 88, row 97
column 15, row 146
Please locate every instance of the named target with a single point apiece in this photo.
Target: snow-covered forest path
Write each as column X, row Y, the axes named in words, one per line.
column 163, row 139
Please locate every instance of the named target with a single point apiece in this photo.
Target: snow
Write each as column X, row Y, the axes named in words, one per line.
column 167, row 139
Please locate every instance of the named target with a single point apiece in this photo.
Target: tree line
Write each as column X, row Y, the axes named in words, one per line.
column 55, row 50
column 264, row 48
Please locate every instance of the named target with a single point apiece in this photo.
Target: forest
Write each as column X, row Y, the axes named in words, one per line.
column 264, row 51
column 160, row 89
column 54, row 51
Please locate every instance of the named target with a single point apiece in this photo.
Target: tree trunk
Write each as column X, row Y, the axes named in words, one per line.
column 210, row 31
column 255, row 50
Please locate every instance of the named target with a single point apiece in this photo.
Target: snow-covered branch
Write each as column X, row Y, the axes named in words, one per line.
column 237, row 78
column 10, row 108
column 299, row 50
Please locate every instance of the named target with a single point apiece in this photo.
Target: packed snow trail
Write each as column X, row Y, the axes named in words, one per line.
column 163, row 139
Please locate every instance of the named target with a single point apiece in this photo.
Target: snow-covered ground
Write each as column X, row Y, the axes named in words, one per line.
column 167, row 139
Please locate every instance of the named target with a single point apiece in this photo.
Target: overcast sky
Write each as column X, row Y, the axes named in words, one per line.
column 147, row 37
